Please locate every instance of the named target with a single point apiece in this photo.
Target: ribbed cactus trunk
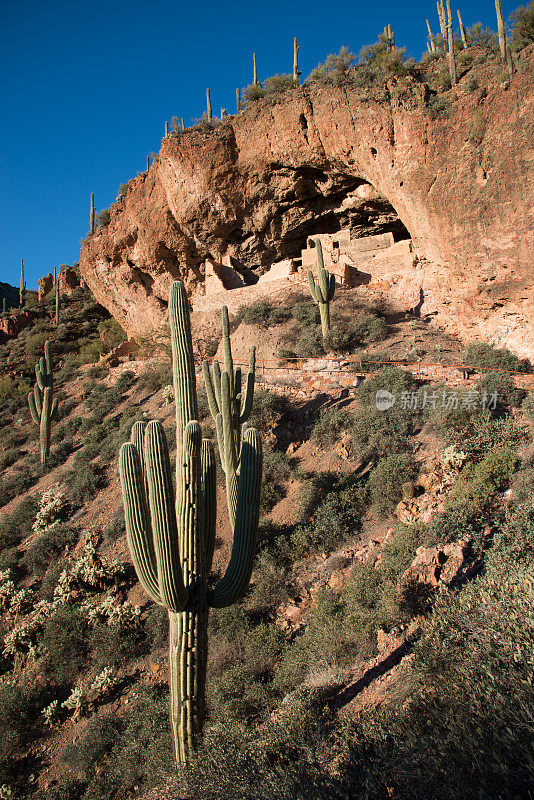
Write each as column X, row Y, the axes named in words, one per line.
column 450, row 44
column 22, row 289
column 208, row 105
column 172, row 539
column 462, row 30
column 56, row 285
column 166, row 128
column 322, row 291
column 296, row 73
column 255, row 70
column 92, row 214
column 238, row 100
column 432, row 45
column 442, row 22
column 501, row 30
column 43, row 405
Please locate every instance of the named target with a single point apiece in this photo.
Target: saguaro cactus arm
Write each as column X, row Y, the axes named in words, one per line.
column 137, row 520
column 208, row 467
column 163, row 518
column 235, row 581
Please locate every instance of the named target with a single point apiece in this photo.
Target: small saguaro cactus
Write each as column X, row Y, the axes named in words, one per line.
column 450, row 45
column 92, row 214
column 432, row 45
column 322, row 291
column 462, row 30
column 501, row 30
column 22, row 289
column 230, row 409
column 147, row 163
column 296, row 72
column 172, row 547
column 166, row 128
column 238, row 100
column 208, row 103
column 43, row 405
column 255, row 70
column 56, row 281
column 183, row 124
column 442, row 22
column 3, row 305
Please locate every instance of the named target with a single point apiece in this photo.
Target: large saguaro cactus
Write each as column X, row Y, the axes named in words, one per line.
column 43, row 405
column 230, row 409
column 322, row 291
column 172, row 540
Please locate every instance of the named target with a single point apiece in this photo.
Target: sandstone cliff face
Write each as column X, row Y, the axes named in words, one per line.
column 259, row 184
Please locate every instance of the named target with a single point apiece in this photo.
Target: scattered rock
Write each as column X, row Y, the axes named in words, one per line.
column 442, row 566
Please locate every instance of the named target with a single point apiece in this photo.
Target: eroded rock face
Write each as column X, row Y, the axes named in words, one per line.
column 45, row 284
column 324, row 158
column 12, row 324
column 68, row 281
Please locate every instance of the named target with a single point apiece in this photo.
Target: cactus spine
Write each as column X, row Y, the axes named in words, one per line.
column 322, row 291
column 501, row 30
column 230, row 409
column 172, row 547
column 450, row 42
column 22, row 288
column 92, row 214
column 462, row 30
column 296, row 72
column 432, row 46
column 255, row 70
column 238, row 100
column 42, row 403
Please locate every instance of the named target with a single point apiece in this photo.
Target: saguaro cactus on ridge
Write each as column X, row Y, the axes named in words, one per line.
column 172, row 540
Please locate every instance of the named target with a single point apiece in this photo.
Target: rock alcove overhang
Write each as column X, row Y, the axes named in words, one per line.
column 259, row 184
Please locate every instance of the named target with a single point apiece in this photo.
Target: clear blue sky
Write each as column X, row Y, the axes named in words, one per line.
column 86, row 88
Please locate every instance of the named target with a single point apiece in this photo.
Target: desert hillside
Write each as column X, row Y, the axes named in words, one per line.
column 267, row 450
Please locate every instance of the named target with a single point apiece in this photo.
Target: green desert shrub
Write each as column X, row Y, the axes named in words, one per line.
column 65, row 639
column 95, row 745
column 18, row 524
column 277, row 84
column 527, row 406
column 20, row 706
column 498, row 392
column 334, row 516
column 83, row 482
column 242, row 661
column 252, row 92
column 276, row 472
column 285, row 760
column 337, row 69
column 483, row 355
column 386, row 479
column 114, row 646
column 330, row 425
column 483, row 433
column 267, row 409
column 44, row 550
column 522, row 24
column 398, row 551
column 438, row 108
column 471, row 674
